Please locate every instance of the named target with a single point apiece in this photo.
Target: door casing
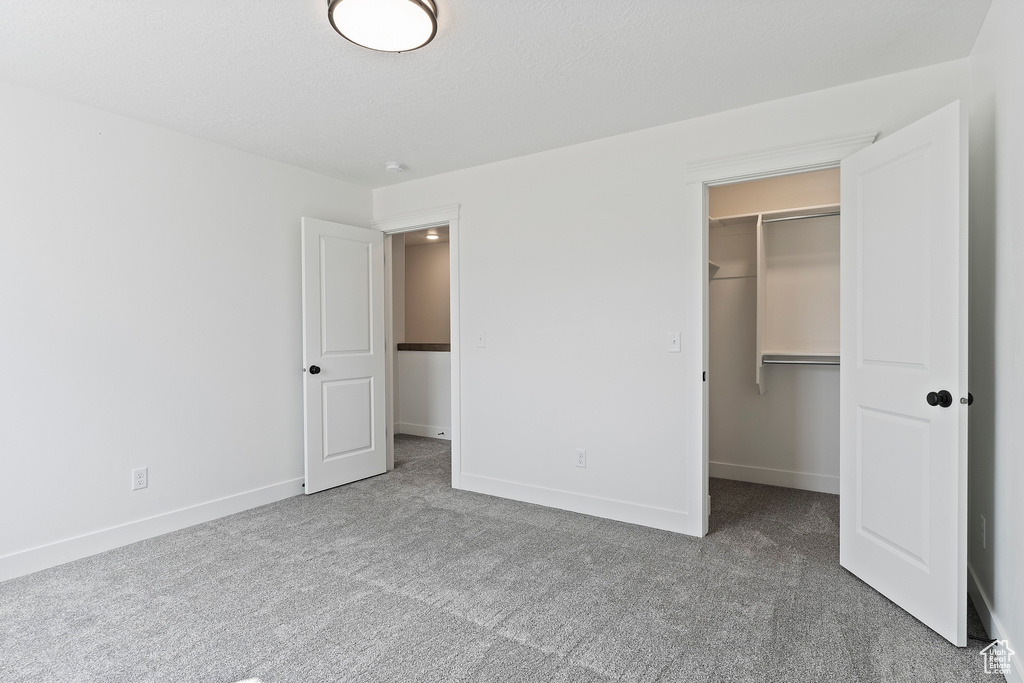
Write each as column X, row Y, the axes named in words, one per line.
column 726, row 171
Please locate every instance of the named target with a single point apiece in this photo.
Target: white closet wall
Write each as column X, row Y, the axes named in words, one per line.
column 789, row 436
column 816, row 188
column 803, row 286
column 397, row 315
column 425, row 393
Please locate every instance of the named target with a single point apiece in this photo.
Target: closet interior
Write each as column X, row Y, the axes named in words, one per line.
column 773, row 330
column 421, row 325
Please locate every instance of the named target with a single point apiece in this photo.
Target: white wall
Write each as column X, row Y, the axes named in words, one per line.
column 816, row 188
column 996, row 475
column 425, row 393
column 398, row 296
column 427, row 294
column 149, row 317
column 576, row 353
column 397, row 320
column 802, row 286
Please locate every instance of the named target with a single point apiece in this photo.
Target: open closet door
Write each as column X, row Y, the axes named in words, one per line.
column 903, row 376
column 343, row 353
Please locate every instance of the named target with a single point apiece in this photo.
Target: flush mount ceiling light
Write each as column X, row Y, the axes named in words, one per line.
column 385, row 25
column 432, row 236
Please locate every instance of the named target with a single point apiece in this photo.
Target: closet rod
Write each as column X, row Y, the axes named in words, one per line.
column 799, row 218
column 800, row 361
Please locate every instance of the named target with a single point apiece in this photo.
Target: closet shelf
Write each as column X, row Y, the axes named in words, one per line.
column 722, row 221
column 799, row 359
column 421, row 346
column 712, row 268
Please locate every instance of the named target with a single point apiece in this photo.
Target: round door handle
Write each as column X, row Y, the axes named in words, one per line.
column 941, row 398
column 314, row 369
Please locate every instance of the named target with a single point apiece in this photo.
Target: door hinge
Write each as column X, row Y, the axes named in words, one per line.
column 704, row 376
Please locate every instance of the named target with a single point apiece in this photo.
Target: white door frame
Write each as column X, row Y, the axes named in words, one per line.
column 736, row 169
column 421, row 220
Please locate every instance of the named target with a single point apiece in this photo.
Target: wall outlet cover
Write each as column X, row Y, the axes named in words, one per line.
column 140, row 478
column 581, row 457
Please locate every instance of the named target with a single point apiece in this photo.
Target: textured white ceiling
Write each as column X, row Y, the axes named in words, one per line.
column 501, row 79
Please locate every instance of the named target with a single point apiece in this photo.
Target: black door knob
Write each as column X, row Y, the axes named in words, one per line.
column 315, row 370
column 942, row 398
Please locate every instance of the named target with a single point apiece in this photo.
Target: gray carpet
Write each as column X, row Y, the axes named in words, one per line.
column 399, row 578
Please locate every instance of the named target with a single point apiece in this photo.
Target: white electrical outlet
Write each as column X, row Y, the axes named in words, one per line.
column 983, row 544
column 581, row 457
column 481, row 340
column 140, row 478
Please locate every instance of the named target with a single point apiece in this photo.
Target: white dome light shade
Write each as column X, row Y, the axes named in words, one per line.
column 385, row 25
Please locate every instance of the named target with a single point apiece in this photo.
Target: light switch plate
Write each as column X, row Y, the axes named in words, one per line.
column 673, row 342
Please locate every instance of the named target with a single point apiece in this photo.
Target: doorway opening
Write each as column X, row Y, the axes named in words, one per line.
column 773, row 338
column 421, row 324
column 421, row 317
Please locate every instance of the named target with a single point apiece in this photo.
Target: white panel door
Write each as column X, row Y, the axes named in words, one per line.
column 343, row 353
column 903, row 460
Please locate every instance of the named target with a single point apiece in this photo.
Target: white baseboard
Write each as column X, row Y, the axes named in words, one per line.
column 633, row 513
column 822, row 483
column 992, row 625
column 980, row 600
column 423, row 430
column 50, row 555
